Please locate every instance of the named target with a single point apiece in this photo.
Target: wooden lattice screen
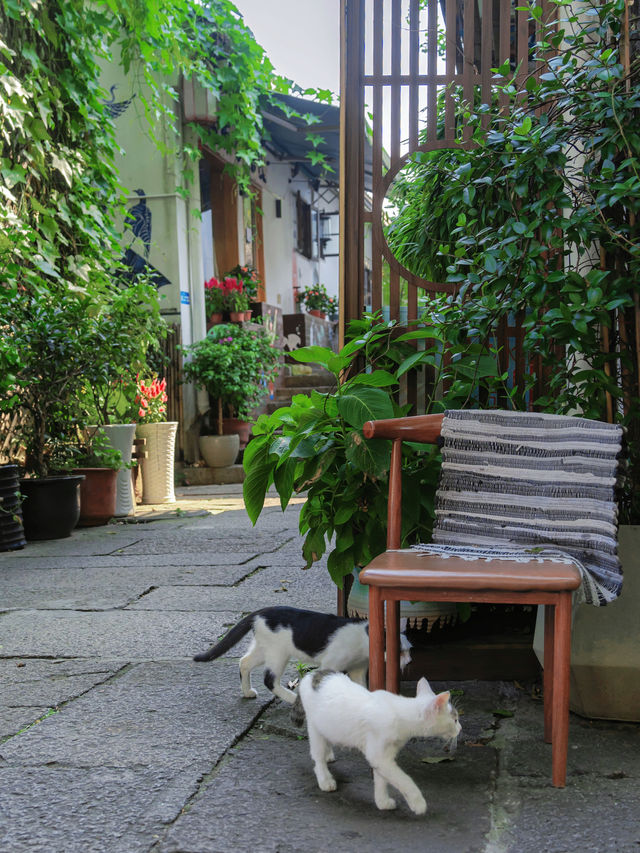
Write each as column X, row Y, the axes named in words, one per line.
column 398, row 58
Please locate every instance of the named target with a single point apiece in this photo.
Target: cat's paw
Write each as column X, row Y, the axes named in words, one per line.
column 418, row 805
column 328, row 784
column 251, row 694
column 386, row 803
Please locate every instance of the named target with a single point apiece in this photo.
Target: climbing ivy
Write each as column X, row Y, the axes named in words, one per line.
column 59, row 186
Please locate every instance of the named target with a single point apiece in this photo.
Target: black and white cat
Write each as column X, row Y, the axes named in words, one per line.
column 281, row 634
column 379, row 724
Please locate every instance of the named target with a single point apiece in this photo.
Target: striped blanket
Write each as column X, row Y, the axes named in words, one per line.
column 524, row 486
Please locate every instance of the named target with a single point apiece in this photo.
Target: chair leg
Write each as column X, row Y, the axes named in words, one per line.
column 393, row 646
column 547, row 675
column 560, row 700
column 376, row 639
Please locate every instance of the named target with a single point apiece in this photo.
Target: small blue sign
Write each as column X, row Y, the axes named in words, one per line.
column 184, row 297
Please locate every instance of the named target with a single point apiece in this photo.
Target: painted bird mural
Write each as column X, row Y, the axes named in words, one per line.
column 138, row 219
column 116, row 108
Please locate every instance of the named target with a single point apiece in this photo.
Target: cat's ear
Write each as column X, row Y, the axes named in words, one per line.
column 423, row 688
column 441, row 701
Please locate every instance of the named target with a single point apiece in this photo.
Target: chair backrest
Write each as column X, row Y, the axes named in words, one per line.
column 420, row 428
column 523, row 480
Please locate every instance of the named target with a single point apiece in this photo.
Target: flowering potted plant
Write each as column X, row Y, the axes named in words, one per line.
column 214, row 300
column 150, row 415
column 237, row 300
column 249, row 278
column 317, row 301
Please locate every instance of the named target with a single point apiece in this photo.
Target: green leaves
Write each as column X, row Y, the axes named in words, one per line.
column 361, row 404
column 316, row 446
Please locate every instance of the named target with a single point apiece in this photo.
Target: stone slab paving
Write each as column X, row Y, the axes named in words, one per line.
column 114, row 634
column 272, row 770
column 113, row 740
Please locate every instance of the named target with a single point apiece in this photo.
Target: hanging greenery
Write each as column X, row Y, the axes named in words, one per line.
column 61, row 197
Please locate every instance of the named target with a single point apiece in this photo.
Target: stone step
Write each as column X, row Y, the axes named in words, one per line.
column 308, row 380
column 287, row 393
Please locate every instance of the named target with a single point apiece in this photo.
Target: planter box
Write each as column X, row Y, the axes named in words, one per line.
column 605, row 648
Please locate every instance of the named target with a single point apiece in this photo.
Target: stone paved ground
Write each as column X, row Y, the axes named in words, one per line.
column 113, row 739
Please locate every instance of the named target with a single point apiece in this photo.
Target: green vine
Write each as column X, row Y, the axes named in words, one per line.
column 537, row 220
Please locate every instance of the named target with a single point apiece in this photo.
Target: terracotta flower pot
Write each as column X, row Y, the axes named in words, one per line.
column 236, row 316
column 315, row 312
column 97, row 496
column 214, row 319
column 235, row 426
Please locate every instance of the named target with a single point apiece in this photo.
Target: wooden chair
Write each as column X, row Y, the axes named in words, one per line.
column 410, row 575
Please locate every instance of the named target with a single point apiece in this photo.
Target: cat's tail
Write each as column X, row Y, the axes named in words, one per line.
column 297, row 712
column 229, row 640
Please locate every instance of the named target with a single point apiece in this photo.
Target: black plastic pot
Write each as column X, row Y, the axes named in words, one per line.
column 11, row 528
column 51, row 506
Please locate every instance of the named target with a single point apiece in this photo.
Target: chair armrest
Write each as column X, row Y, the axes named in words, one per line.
column 425, row 428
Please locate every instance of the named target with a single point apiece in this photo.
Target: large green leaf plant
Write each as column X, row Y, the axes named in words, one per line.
column 316, row 447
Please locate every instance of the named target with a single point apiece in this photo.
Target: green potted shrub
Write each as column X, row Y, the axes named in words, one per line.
column 128, row 328
column 99, row 462
column 316, row 446
column 234, row 365
column 55, row 339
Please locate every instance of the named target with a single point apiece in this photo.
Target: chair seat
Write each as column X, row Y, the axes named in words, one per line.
column 406, row 568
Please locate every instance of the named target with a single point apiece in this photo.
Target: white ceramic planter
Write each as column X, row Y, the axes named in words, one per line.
column 605, row 645
column 219, row 451
column 121, row 437
column 157, row 466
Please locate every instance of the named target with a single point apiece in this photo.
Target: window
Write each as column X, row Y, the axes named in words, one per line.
column 303, row 228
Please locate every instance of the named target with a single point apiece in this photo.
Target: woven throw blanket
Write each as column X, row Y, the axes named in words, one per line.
column 518, row 485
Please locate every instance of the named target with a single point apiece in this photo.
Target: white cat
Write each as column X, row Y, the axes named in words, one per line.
column 281, row 634
column 379, row 724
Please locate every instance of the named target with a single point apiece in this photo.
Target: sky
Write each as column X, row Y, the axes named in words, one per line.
column 300, row 37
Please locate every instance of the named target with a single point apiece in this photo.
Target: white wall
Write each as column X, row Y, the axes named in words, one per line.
column 284, row 265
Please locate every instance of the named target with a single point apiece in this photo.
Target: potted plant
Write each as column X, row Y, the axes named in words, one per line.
column 55, row 336
column 99, row 462
column 248, row 276
column 235, row 366
column 129, row 329
column 317, row 301
column 214, row 301
column 150, row 415
column 316, row 445
column 237, row 300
